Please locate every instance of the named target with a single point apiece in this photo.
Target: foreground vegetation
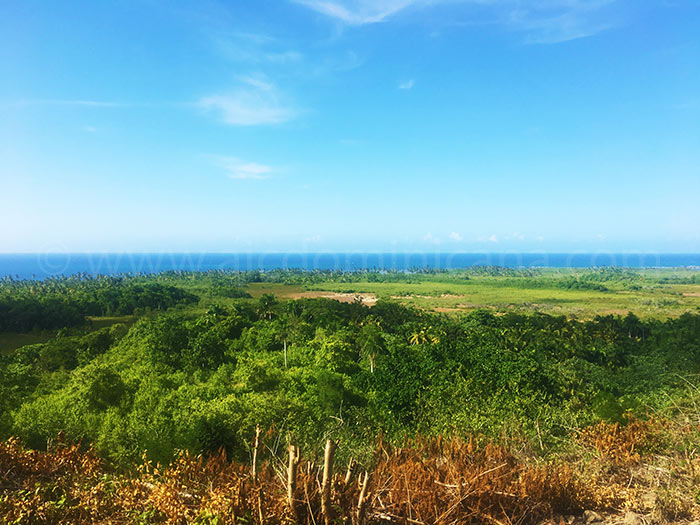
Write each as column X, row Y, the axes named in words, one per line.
column 609, row 469
column 146, row 367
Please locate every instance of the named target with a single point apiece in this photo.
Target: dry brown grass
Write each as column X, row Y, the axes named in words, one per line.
column 431, row 481
column 623, row 444
column 654, row 465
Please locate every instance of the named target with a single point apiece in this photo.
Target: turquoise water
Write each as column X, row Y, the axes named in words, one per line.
column 40, row 266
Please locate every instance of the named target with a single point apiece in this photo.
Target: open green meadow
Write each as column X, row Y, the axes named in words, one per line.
column 574, row 293
column 580, row 294
column 653, row 301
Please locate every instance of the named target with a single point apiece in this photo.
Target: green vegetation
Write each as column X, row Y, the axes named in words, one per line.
column 582, row 294
column 65, row 302
column 198, row 360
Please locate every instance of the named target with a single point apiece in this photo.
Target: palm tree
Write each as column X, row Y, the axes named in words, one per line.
column 371, row 338
column 424, row 335
column 290, row 323
column 266, row 304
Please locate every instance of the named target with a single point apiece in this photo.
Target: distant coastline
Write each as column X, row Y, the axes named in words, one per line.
column 41, row 266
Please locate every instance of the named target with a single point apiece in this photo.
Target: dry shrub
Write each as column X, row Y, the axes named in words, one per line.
column 192, row 488
column 64, row 485
column 670, row 506
column 623, row 444
column 425, row 481
column 438, row 481
column 654, row 463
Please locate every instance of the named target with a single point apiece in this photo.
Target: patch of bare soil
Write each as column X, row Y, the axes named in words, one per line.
column 691, row 294
column 620, row 518
column 368, row 299
column 420, row 296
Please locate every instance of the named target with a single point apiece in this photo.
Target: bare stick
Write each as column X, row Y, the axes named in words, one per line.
column 351, row 469
column 255, row 452
column 261, row 517
column 408, row 493
column 327, row 480
column 292, row 478
column 362, row 499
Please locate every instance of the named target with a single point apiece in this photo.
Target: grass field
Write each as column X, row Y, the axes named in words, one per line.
column 533, row 295
column 10, row 341
column 658, row 293
column 102, row 322
column 652, row 293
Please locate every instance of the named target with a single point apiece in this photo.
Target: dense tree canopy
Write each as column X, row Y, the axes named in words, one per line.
column 203, row 378
column 65, row 302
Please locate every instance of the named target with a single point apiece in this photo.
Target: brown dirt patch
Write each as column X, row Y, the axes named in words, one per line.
column 691, row 294
column 368, row 299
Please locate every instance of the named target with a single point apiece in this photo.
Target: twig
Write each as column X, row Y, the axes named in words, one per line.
column 539, row 434
column 362, row 499
column 255, row 452
column 308, row 504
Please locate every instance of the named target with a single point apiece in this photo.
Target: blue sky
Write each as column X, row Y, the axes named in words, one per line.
column 350, row 125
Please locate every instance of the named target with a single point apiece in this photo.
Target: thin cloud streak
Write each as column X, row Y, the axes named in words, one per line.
column 559, row 21
column 240, row 169
column 256, row 102
column 358, row 12
column 542, row 21
column 255, row 48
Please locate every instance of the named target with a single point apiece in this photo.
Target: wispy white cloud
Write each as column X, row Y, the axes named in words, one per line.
column 255, row 48
column 240, row 169
column 255, row 101
column 408, row 84
column 358, row 12
column 454, row 236
column 551, row 22
column 542, row 21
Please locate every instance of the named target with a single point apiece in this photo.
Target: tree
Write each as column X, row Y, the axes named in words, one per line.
column 370, row 340
column 266, row 305
column 166, row 339
column 424, row 335
column 290, row 324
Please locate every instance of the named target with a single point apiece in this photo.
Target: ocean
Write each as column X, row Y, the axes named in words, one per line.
column 41, row 266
